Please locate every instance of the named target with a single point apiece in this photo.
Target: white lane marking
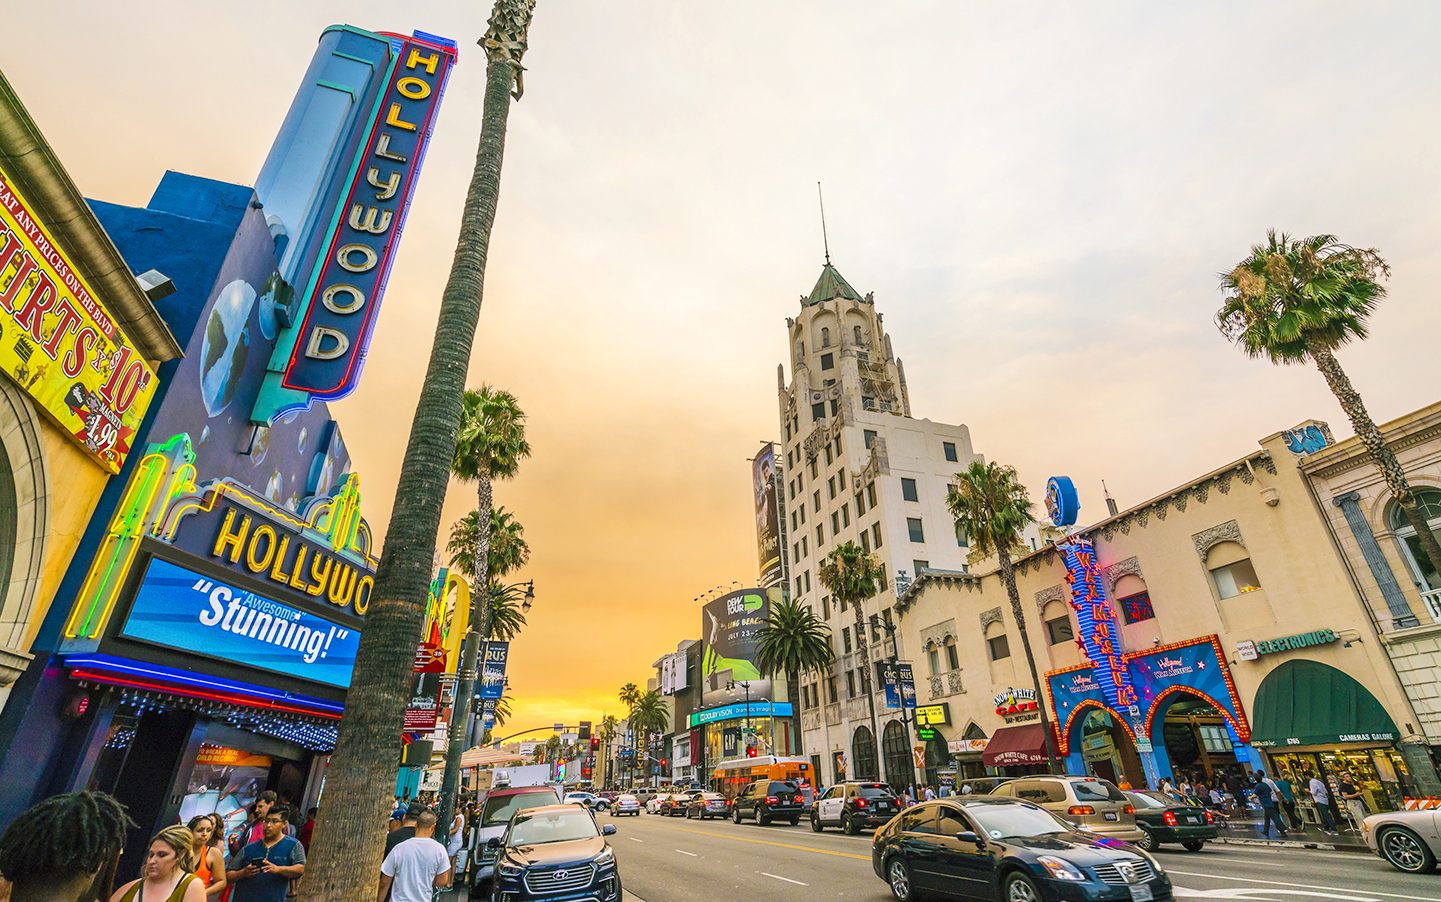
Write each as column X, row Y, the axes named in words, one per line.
column 633, row 839
column 1306, row 886
column 1264, row 864
column 1249, row 894
column 786, row 879
column 684, row 852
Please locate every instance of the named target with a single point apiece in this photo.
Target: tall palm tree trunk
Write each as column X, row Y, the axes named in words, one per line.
column 1376, row 446
column 862, row 648
column 793, row 691
column 1008, row 575
column 345, row 854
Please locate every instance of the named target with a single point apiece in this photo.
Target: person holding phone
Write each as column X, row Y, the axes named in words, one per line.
column 263, row 869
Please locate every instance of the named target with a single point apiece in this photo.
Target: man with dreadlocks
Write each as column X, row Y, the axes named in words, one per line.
column 65, row 849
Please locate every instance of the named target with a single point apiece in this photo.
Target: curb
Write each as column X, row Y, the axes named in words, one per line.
column 1292, row 844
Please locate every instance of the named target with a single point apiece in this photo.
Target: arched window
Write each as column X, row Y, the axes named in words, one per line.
column 825, row 338
column 1134, row 599
column 933, row 658
column 953, row 660
column 894, row 748
column 858, row 335
column 1429, row 502
column 1231, row 570
column 863, row 755
column 997, row 643
column 1058, row 623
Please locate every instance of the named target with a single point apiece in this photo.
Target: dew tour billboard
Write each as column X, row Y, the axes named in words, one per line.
column 768, row 530
column 729, row 625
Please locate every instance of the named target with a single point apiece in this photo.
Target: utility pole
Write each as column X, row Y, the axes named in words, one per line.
column 900, row 691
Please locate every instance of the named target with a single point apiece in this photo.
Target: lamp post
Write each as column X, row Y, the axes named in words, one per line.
column 890, row 628
column 464, row 691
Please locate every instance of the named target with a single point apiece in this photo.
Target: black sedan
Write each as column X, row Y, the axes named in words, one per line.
column 1008, row 849
column 555, row 852
column 1163, row 819
column 707, row 804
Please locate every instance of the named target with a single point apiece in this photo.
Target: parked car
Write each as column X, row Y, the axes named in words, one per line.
column 1092, row 804
column 555, row 851
column 673, row 804
column 586, row 799
column 609, row 797
column 495, row 814
column 1407, row 840
column 707, row 804
column 978, row 785
column 625, row 804
column 854, row 806
column 1163, row 819
column 767, row 800
column 991, row 847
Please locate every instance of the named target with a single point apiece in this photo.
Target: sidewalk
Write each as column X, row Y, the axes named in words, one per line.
column 1245, row 830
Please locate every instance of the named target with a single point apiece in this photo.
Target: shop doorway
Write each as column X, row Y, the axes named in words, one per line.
column 897, row 755
column 863, row 754
column 1108, row 750
column 1196, row 740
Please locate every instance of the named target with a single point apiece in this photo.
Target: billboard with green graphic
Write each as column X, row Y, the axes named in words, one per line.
column 729, row 625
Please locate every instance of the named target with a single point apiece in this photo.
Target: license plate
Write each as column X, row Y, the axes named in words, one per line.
column 1141, row 893
column 1112, row 816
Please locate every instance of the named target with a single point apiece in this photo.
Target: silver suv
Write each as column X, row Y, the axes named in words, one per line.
column 1092, row 804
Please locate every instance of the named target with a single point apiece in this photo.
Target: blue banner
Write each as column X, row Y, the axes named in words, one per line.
column 908, row 684
column 492, row 680
column 900, row 684
column 181, row 609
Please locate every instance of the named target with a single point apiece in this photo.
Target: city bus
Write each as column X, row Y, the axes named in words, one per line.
column 730, row 777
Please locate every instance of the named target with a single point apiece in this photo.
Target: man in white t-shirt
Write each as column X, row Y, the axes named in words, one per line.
column 414, row 867
column 1320, row 794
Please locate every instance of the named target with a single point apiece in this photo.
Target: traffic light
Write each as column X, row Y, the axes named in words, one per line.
column 750, row 751
column 595, row 742
column 664, row 762
column 584, row 732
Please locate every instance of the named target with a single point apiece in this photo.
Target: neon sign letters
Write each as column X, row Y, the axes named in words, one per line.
column 1100, row 636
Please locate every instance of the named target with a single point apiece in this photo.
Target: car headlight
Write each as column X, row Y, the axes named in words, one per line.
column 605, row 859
column 509, row 869
column 1061, row 869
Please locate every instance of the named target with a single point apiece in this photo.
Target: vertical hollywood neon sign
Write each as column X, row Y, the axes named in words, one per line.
column 1099, row 634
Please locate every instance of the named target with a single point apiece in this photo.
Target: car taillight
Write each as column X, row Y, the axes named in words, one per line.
column 860, row 803
column 1077, row 810
column 1130, row 809
column 1209, row 818
column 1170, row 818
column 772, row 800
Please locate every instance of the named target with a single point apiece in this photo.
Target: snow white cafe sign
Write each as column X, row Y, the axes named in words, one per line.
column 60, row 344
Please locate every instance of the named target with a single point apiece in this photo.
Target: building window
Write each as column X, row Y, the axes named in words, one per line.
column 865, row 541
column 1000, row 648
column 828, row 454
column 1214, row 737
column 908, row 489
column 805, row 548
column 843, row 605
column 933, row 657
column 858, row 335
column 793, row 521
column 1134, row 599
column 1428, row 501
column 846, row 639
column 875, row 627
column 788, row 435
column 868, row 403
column 818, row 411
column 798, row 586
column 831, row 689
column 826, row 338
column 816, row 500
column 870, row 437
column 920, row 565
column 826, row 607
column 850, row 684
column 838, row 446
column 860, row 504
column 881, row 579
column 835, row 408
column 886, row 615
column 828, row 362
column 793, row 489
column 789, row 463
column 917, row 530
column 1234, row 579
column 800, row 482
column 876, row 534
column 845, row 515
column 807, row 575
column 952, row 658
column 802, row 510
column 961, row 538
column 871, row 493
column 950, row 449
column 835, row 522
column 815, row 473
column 796, row 551
column 1060, row 630
column 820, row 536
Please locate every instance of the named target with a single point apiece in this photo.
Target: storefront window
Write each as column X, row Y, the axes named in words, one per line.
column 1215, row 738
column 727, row 740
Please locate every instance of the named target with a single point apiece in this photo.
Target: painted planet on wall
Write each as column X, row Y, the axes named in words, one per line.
column 226, row 347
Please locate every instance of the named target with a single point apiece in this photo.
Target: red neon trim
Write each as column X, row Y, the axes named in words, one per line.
column 248, row 701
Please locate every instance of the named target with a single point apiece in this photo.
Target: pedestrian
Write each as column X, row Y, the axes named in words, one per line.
column 307, row 831
column 1167, row 788
column 167, row 871
column 64, row 849
column 1264, row 794
column 1351, row 797
column 254, row 826
column 1322, row 797
column 406, row 830
column 209, row 862
column 414, row 868
column 263, row 869
column 930, row 794
column 457, row 835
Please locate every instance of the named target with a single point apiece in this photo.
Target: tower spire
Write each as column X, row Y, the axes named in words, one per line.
column 824, row 240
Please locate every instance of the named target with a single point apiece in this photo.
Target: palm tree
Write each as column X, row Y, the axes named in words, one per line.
column 608, row 726
column 650, row 716
column 1294, row 300
column 346, row 848
column 991, row 506
column 508, row 549
column 792, row 642
column 506, row 614
column 552, row 747
column 851, row 574
column 629, row 695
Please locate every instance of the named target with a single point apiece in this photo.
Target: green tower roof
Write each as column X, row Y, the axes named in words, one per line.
column 827, row 284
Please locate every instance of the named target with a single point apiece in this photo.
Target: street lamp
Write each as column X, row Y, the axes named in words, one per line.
column 529, row 596
column 890, row 628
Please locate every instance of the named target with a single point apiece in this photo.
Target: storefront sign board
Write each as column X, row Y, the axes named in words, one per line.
column 184, row 610
column 59, row 342
column 934, row 715
column 729, row 712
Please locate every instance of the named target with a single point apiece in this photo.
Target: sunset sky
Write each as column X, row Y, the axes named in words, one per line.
column 1040, row 195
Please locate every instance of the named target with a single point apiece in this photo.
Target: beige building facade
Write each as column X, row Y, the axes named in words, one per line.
column 1236, row 635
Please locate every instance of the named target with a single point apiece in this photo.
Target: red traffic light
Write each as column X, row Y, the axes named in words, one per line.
column 664, row 762
column 751, row 752
column 595, row 742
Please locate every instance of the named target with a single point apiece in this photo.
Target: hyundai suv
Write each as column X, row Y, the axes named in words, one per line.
column 767, row 800
column 495, row 814
column 854, row 806
column 1092, row 804
column 555, row 852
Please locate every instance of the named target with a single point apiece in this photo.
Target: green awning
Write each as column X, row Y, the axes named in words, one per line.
column 1308, row 703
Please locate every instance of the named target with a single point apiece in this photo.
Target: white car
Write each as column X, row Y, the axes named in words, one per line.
column 652, row 804
column 626, row 804
column 1409, row 841
column 586, row 799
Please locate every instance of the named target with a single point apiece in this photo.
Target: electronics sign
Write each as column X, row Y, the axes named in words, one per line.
column 343, row 297
column 60, row 344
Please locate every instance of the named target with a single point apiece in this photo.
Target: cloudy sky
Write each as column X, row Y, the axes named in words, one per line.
column 1040, row 196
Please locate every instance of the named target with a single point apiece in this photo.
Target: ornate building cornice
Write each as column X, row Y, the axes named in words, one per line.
column 1207, row 539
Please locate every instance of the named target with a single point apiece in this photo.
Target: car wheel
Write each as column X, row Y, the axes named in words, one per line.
column 1194, row 845
column 898, row 875
column 1405, row 851
column 848, row 826
column 762, row 817
column 1148, row 839
column 736, row 816
column 816, row 823
column 1020, row 888
column 795, row 820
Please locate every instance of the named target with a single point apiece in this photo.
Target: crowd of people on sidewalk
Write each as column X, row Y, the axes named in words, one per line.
column 1229, row 793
